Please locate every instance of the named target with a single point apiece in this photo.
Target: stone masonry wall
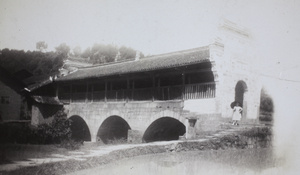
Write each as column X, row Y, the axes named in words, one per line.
column 139, row 115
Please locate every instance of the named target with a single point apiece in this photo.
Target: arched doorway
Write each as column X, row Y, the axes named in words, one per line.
column 240, row 95
column 79, row 128
column 164, row 129
column 113, row 128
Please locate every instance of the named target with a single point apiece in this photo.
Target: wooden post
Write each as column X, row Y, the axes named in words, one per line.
column 158, row 85
column 168, row 93
column 128, row 88
column 71, row 94
column 86, row 92
column 132, row 94
column 105, row 93
column 56, row 91
column 153, row 87
column 92, row 93
column 183, row 84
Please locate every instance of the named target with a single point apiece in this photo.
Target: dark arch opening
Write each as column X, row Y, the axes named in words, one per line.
column 240, row 89
column 79, row 128
column 164, row 129
column 113, row 128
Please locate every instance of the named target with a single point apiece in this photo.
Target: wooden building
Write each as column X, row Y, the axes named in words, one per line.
column 176, row 76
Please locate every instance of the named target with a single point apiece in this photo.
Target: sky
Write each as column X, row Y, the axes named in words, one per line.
column 153, row 27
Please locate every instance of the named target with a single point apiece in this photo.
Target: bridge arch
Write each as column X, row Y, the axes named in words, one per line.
column 113, row 128
column 79, row 128
column 164, row 129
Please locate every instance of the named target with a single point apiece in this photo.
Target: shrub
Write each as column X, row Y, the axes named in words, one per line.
column 266, row 116
column 117, row 141
column 70, row 144
column 54, row 132
column 266, row 107
column 260, row 132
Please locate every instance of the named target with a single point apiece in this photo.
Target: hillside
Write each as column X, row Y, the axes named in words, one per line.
column 31, row 66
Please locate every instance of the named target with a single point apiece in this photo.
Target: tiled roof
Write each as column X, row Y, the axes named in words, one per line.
column 157, row 62
column 38, row 85
column 47, row 100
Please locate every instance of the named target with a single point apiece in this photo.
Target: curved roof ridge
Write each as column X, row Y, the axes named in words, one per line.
column 157, row 62
column 148, row 57
column 178, row 52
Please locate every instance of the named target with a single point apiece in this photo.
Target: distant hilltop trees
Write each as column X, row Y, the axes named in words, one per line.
column 43, row 63
column 97, row 54
column 100, row 53
column 36, row 62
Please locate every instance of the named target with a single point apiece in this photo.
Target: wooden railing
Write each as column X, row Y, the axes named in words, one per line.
column 198, row 91
column 65, row 97
column 191, row 91
column 98, row 96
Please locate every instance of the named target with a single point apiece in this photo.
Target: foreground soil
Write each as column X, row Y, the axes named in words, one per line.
column 233, row 161
column 71, row 161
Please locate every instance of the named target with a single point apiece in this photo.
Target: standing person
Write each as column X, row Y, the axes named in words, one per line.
column 237, row 114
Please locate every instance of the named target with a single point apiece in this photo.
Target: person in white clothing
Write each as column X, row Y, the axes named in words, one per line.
column 237, row 114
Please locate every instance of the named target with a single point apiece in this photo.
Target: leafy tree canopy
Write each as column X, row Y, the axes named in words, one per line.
column 77, row 51
column 100, row 53
column 43, row 64
column 266, row 102
column 41, row 46
column 36, row 62
column 63, row 49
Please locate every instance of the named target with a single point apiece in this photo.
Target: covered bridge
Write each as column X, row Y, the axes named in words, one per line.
column 159, row 97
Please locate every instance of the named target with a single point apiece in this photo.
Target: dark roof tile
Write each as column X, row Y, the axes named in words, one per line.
column 157, row 62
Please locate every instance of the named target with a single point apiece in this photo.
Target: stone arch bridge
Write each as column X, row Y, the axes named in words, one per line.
column 135, row 121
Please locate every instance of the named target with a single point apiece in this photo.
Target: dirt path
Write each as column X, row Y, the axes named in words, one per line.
column 86, row 158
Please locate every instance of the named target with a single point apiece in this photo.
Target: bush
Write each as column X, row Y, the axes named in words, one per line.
column 266, row 107
column 117, row 141
column 70, row 144
column 260, row 132
column 54, row 132
column 266, row 116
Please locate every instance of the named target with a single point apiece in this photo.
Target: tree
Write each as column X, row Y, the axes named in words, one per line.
column 77, row 51
column 266, row 107
column 41, row 46
column 86, row 53
column 63, row 49
column 103, row 53
column 127, row 53
column 266, row 102
column 38, row 63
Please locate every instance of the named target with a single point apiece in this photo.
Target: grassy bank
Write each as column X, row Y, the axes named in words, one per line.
column 234, row 141
column 19, row 152
column 233, row 161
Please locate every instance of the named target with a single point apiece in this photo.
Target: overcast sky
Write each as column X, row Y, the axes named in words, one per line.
column 150, row 26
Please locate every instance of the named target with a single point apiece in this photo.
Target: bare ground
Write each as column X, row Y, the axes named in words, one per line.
column 53, row 160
